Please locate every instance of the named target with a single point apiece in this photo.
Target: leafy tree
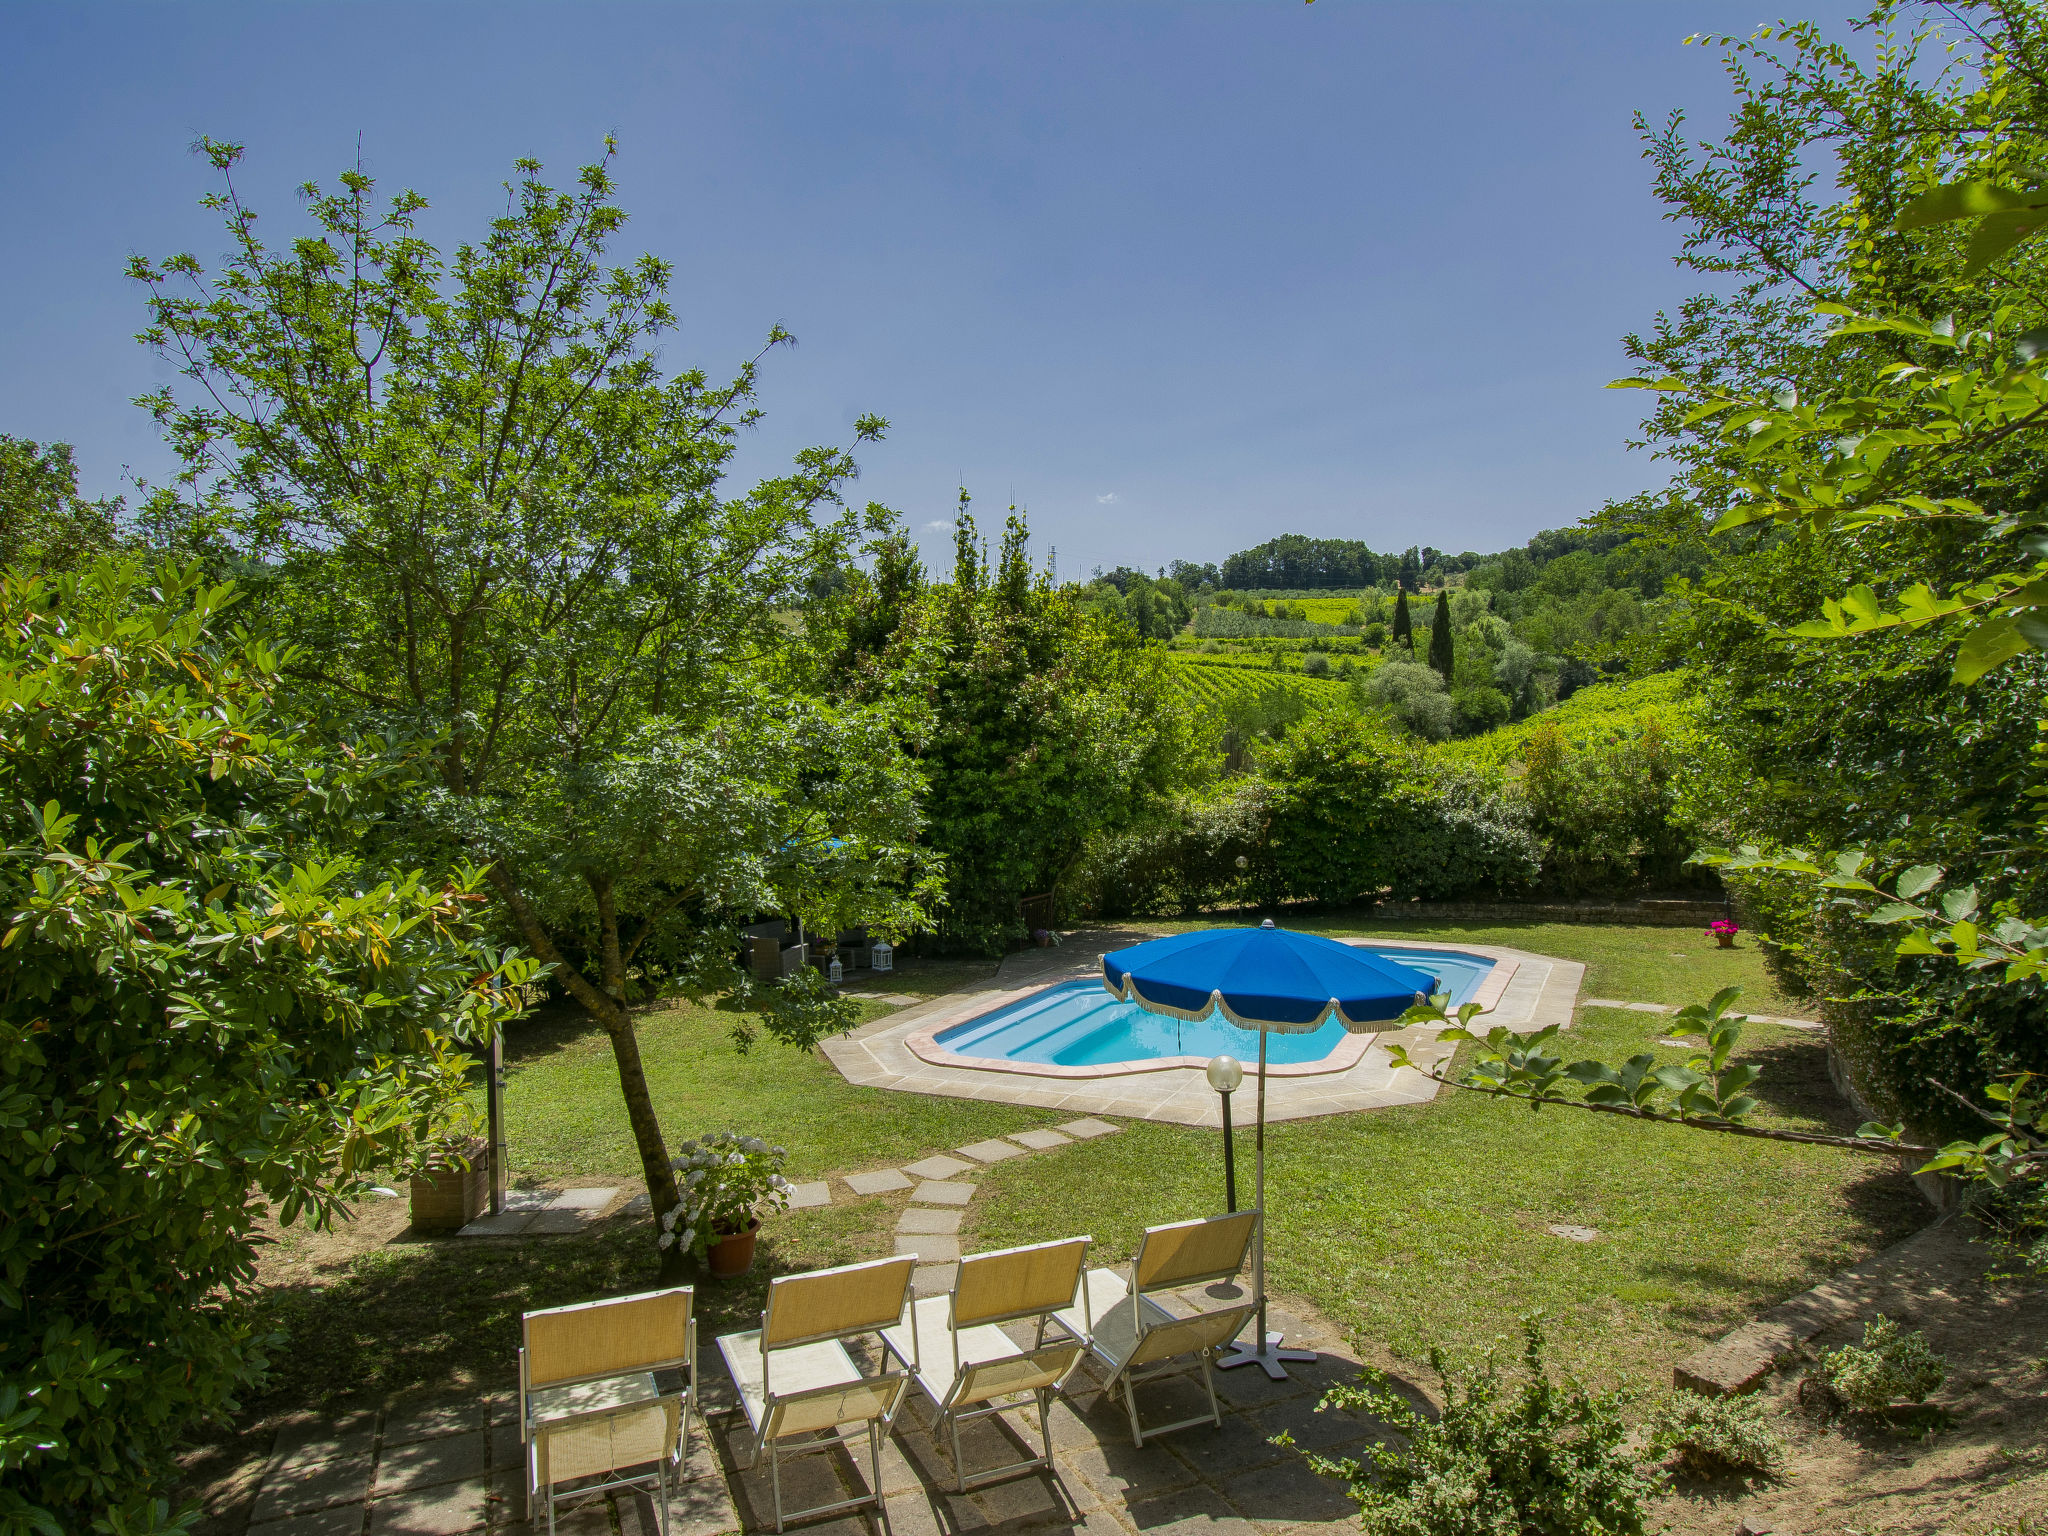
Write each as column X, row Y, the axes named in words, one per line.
column 1442, row 656
column 1413, row 695
column 1293, row 562
column 1035, row 724
column 1899, row 495
column 502, row 534
column 211, row 1003
column 44, row 523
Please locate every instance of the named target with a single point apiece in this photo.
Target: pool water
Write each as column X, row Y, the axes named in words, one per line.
column 1081, row 1024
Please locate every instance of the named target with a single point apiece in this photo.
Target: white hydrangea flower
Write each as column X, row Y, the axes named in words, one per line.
column 667, row 1240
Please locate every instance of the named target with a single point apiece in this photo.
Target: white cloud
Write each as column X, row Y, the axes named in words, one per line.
column 941, row 526
column 1107, row 498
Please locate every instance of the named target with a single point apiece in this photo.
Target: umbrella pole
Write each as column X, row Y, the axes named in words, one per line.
column 1266, row 1352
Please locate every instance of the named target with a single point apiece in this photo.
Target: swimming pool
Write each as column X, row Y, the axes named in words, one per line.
column 1079, row 1024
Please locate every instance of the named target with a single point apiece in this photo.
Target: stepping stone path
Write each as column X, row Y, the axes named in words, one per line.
column 1756, row 1018
column 879, row 1182
column 930, row 1225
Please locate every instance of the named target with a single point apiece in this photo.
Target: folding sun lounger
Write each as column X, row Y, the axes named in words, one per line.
column 794, row 1374
column 589, row 1402
column 966, row 1364
column 1134, row 1339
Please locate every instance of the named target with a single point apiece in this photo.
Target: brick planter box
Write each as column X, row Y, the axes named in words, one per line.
column 446, row 1196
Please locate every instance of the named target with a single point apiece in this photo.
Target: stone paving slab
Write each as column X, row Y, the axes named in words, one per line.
column 930, row 1248
column 938, row 1167
column 445, row 1510
column 1089, row 1129
column 443, row 1459
column 933, row 1279
column 592, row 1200
column 804, row 1196
column 1040, row 1141
column 942, row 1192
column 406, row 1422
column 878, row 1183
column 990, row 1151
column 559, row 1223
column 918, row 1219
column 331, row 1482
column 341, row 1445
column 508, row 1224
column 346, row 1520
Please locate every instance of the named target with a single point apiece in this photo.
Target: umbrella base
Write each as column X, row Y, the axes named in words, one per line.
column 1268, row 1355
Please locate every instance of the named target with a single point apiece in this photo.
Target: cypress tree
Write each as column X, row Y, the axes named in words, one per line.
column 1404, row 628
column 1440, row 655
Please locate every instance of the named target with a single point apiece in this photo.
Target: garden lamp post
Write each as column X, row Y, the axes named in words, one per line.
column 1224, row 1076
column 494, row 1103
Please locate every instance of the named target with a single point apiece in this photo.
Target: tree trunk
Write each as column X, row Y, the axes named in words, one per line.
column 610, row 1013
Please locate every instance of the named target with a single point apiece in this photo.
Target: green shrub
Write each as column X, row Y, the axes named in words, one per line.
column 1607, row 812
column 1715, row 1435
column 213, row 1003
column 1356, row 812
column 1547, row 1461
column 1181, row 860
column 1894, row 1365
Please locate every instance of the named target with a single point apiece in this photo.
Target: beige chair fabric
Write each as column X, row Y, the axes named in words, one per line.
column 1134, row 1338
column 1193, row 1252
column 968, row 1366
column 796, row 1377
column 590, row 1405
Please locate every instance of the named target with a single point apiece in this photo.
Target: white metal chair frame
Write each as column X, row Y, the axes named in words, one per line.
column 537, row 1432
column 886, row 1388
column 1183, row 1344
column 1038, row 1370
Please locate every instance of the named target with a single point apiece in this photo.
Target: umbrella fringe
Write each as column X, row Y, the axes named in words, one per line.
column 1128, row 992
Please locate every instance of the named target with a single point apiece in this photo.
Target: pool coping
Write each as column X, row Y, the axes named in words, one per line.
column 1541, row 991
column 1346, row 1054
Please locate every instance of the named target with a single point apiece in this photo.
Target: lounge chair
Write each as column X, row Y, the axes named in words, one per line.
column 795, row 1376
column 965, row 1363
column 589, row 1402
column 1134, row 1339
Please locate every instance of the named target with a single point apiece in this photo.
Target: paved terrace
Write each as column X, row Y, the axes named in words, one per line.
column 437, row 1467
column 1541, row 991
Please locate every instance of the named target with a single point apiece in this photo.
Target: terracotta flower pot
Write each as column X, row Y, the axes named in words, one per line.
column 733, row 1254
column 1725, row 940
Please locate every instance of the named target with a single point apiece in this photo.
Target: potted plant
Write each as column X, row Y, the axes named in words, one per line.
column 727, row 1181
column 451, row 1184
column 1724, row 932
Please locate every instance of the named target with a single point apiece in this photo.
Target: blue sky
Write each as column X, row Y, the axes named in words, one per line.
column 1175, row 278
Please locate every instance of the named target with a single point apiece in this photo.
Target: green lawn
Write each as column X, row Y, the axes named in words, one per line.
column 1428, row 1224
column 564, row 1117
column 1409, row 1226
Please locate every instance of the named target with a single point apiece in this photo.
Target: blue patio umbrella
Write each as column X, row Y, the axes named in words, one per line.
column 1265, row 979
